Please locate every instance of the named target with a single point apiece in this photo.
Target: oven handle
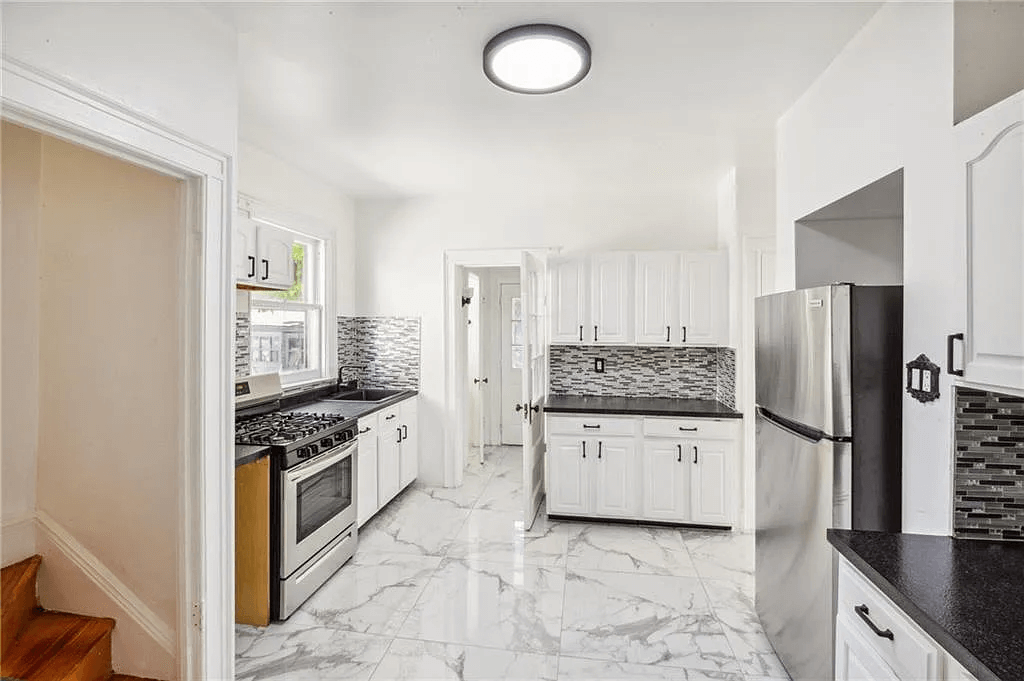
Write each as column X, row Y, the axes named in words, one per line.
column 321, row 462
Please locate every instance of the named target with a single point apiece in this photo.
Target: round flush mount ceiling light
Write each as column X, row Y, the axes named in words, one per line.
column 537, row 59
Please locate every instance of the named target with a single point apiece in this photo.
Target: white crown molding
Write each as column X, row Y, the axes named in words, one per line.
column 108, row 583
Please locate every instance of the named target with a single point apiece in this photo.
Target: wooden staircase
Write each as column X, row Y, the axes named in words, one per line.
column 38, row 645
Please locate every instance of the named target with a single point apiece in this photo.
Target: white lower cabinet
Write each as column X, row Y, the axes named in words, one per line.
column 388, row 457
column 607, row 467
column 875, row 639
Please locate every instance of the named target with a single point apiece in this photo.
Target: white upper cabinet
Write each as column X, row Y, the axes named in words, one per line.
column 704, row 298
column 991, row 148
column 657, row 298
column 262, row 255
column 570, row 284
column 611, row 298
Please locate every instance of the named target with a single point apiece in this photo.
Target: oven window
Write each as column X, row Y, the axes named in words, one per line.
column 322, row 496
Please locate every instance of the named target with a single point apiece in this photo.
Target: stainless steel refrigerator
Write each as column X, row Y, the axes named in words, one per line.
column 828, row 364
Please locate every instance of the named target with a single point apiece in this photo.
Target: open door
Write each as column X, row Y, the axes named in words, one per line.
column 534, row 304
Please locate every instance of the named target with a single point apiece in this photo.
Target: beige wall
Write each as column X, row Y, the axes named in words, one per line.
column 988, row 54
column 102, row 374
column 19, row 199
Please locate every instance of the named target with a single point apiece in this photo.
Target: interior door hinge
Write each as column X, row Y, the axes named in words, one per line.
column 197, row 615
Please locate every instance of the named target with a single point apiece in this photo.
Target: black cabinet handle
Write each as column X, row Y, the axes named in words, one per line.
column 595, row 333
column 266, row 269
column 668, row 334
column 252, row 265
column 584, row 448
column 597, row 427
column 695, row 453
column 862, row 610
column 687, row 430
column 680, row 459
column 405, row 432
column 950, row 340
column 388, row 418
column 399, row 434
column 684, row 334
column 365, row 430
column 599, row 443
column 581, row 333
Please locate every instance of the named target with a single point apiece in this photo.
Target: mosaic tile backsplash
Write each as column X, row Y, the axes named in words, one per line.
column 697, row 373
column 989, row 478
column 242, row 327
column 380, row 352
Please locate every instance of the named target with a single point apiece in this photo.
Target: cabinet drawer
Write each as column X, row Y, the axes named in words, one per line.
column 592, row 425
column 910, row 652
column 388, row 418
column 689, row 428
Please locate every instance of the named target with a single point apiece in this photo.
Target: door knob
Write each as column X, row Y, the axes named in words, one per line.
column 479, row 380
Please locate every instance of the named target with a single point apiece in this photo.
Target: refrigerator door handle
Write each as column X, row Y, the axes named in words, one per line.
column 803, row 432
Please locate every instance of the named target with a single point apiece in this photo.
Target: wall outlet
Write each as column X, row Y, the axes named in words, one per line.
column 599, row 365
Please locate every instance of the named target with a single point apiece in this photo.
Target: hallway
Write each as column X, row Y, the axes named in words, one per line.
column 446, row 585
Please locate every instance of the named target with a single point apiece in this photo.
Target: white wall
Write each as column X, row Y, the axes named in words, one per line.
column 19, row 179
column 401, row 244
column 865, row 252
column 886, row 102
column 173, row 62
column 988, row 54
column 296, row 199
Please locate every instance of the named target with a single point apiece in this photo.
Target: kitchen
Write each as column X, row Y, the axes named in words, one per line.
column 389, row 251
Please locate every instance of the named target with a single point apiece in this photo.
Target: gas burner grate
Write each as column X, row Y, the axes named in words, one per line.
column 282, row 429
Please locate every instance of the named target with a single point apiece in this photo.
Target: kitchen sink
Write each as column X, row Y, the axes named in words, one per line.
column 368, row 395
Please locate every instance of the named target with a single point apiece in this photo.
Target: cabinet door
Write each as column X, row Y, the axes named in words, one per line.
column 611, row 300
column 992, row 150
column 704, row 298
column 710, row 480
column 244, row 249
column 409, row 467
column 665, row 474
column 275, row 266
column 388, row 457
column 657, row 299
column 615, row 477
column 855, row 660
column 569, row 286
column 568, row 470
column 367, row 502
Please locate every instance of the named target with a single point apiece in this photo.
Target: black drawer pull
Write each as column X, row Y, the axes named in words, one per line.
column 591, row 427
column 388, row 418
column 863, row 611
column 688, row 430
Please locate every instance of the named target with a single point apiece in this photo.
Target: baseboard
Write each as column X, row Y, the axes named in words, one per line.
column 17, row 538
column 108, row 583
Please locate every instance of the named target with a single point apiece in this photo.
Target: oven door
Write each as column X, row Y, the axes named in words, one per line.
column 317, row 504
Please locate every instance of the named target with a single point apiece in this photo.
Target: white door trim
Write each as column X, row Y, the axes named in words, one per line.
column 49, row 104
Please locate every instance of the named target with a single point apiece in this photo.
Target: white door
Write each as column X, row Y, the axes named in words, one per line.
column 703, row 298
column 568, row 476
column 532, row 278
column 511, row 364
column 366, row 473
column 992, row 151
column 409, row 463
column 275, row 257
column 244, row 248
column 709, row 476
column 657, row 298
column 569, row 288
column 855, row 660
column 666, row 481
column 615, row 490
column 611, row 300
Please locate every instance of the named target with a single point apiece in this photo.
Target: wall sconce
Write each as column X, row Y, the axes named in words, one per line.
column 923, row 379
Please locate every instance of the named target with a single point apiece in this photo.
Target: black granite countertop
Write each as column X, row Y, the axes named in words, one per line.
column 245, row 454
column 351, row 408
column 967, row 594
column 638, row 406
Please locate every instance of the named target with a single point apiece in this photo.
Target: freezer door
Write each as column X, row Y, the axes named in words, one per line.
column 802, row 490
column 802, row 357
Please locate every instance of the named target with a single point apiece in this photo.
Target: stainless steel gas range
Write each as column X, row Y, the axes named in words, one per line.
column 313, row 475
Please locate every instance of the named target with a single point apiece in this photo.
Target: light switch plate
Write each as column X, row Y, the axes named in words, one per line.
column 599, row 365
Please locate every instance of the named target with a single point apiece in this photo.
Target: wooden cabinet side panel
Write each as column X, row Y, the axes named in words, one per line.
column 252, row 543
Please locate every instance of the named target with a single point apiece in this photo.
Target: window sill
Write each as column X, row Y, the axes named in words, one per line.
column 302, row 386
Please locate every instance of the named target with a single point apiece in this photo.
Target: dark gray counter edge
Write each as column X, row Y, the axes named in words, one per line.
column 931, row 627
column 718, row 411
column 246, row 454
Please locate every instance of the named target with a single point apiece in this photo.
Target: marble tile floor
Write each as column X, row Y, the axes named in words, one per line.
column 446, row 584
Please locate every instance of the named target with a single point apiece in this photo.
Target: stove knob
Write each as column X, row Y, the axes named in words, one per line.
column 303, row 452
column 327, row 443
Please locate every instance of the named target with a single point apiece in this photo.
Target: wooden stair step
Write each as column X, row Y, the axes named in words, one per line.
column 58, row 646
column 19, row 602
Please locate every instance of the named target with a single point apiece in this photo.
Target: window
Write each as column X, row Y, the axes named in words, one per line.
column 287, row 326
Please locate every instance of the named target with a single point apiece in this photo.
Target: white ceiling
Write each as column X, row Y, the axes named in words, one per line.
column 389, row 99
